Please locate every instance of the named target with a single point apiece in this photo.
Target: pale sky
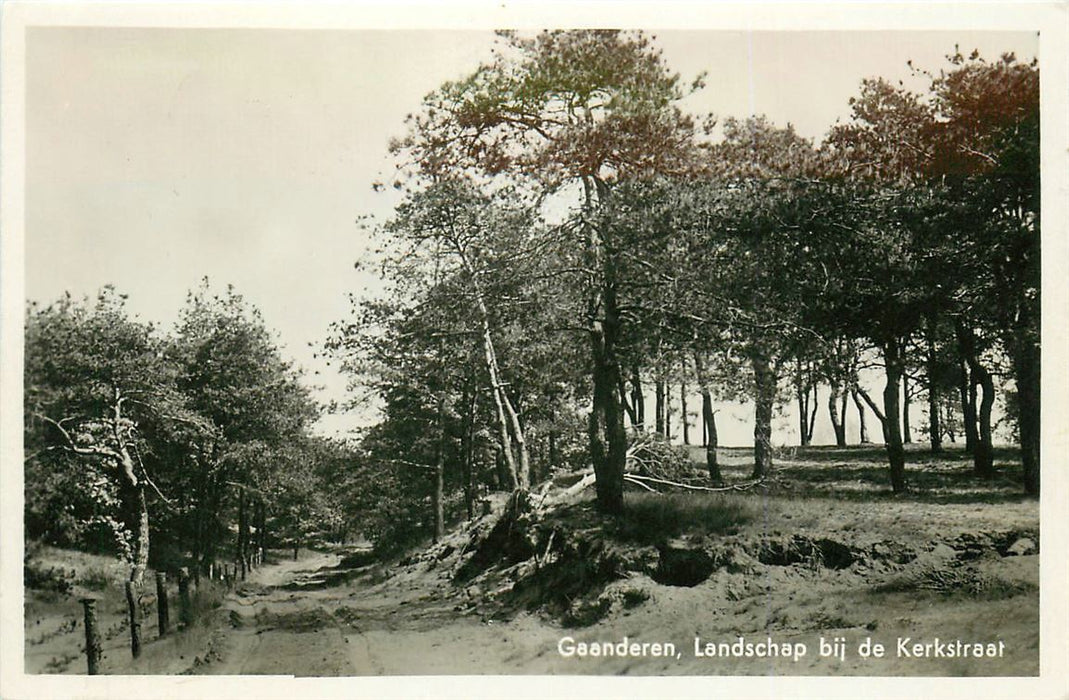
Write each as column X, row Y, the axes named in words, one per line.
column 156, row 157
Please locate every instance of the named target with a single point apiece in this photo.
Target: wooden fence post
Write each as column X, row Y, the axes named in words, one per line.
column 135, row 620
column 92, row 638
column 185, row 613
column 162, row 612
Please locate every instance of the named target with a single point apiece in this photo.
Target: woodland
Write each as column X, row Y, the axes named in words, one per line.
column 577, row 257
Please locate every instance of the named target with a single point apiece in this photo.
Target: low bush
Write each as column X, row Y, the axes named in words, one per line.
column 652, row 518
column 52, row 578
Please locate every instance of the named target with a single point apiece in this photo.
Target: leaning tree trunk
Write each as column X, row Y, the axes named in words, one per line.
column 508, row 419
column 892, row 435
column 863, row 431
column 837, row 423
column 764, row 400
column 813, row 413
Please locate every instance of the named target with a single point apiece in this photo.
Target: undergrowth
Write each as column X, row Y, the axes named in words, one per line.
column 651, row 518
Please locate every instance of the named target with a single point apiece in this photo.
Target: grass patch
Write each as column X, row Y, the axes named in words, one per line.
column 204, row 600
column 94, row 580
column 634, row 597
column 964, row 581
column 652, row 518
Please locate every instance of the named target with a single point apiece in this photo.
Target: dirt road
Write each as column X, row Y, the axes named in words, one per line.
column 283, row 620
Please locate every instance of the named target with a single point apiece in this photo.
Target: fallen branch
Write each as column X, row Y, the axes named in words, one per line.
column 692, row 487
column 636, row 482
column 574, row 488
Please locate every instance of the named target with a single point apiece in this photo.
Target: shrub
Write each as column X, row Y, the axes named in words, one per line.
column 652, row 518
column 55, row 579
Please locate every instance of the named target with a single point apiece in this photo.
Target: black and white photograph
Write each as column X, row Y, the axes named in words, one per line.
column 712, row 350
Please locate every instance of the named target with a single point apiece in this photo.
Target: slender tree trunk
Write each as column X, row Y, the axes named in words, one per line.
column 709, row 435
column 519, row 464
column 711, row 439
column 501, row 472
column 814, row 404
column 629, row 408
column 907, row 434
column 836, row 418
column 843, row 399
column 863, row 433
column 638, row 400
column 261, row 530
column 467, row 449
column 765, row 397
column 808, row 396
column 659, row 408
column 554, row 437
column 134, row 618
column 683, row 411
column 243, row 533
column 438, row 487
column 946, row 422
column 667, row 410
column 935, row 431
column 968, row 408
column 892, row 436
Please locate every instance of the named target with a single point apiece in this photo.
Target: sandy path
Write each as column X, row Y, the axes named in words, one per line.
column 384, row 629
column 276, row 630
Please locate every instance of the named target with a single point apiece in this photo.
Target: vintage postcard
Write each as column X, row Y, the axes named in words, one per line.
column 602, row 349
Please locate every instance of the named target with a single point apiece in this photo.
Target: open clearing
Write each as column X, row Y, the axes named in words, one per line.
column 825, row 551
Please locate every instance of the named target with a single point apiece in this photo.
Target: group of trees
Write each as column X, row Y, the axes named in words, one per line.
column 197, row 440
column 570, row 236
